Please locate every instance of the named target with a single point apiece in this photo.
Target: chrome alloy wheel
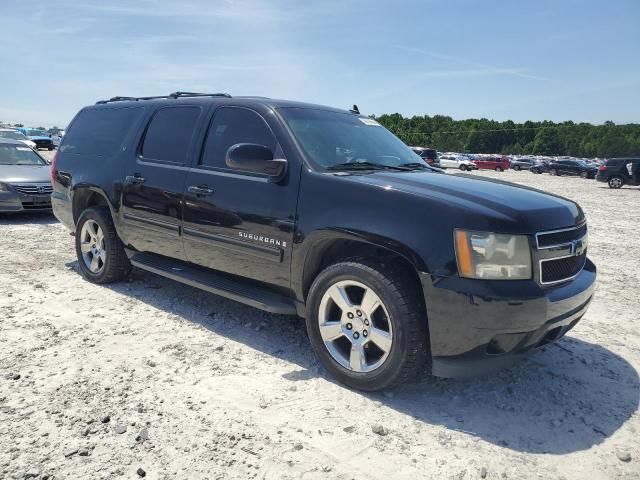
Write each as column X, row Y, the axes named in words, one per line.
column 92, row 247
column 355, row 326
column 615, row 182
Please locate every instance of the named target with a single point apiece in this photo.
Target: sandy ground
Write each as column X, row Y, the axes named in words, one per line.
column 98, row 382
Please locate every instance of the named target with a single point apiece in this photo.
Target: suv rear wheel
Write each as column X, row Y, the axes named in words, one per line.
column 615, row 182
column 101, row 255
column 516, row 168
column 367, row 324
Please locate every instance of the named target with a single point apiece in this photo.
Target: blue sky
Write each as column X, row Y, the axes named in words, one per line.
column 545, row 59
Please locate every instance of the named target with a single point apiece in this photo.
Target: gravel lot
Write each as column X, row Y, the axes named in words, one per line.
column 99, row 382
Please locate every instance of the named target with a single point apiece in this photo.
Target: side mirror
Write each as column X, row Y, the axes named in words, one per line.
column 254, row 158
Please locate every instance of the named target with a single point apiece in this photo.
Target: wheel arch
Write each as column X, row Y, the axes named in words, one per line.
column 86, row 196
column 325, row 247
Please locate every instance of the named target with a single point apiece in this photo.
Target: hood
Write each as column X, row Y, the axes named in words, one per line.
column 25, row 173
column 39, row 137
column 485, row 203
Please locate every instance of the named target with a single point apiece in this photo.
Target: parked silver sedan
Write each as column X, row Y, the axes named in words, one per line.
column 25, row 183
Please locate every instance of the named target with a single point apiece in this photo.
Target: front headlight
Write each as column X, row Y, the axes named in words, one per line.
column 492, row 256
column 3, row 187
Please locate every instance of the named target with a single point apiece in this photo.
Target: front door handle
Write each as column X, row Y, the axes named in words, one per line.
column 133, row 179
column 200, row 191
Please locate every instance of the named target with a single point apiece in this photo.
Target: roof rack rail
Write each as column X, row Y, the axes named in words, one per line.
column 173, row 95
column 194, row 94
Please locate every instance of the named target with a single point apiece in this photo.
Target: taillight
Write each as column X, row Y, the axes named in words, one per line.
column 602, row 168
column 53, row 168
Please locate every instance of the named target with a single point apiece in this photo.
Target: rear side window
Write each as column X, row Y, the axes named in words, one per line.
column 169, row 134
column 231, row 126
column 428, row 153
column 614, row 162
column 100, row 131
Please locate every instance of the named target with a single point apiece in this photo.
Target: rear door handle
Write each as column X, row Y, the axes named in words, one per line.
column 200, row 191
column 133, row 179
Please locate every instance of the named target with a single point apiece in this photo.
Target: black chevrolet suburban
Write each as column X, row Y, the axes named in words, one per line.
column 322, row 213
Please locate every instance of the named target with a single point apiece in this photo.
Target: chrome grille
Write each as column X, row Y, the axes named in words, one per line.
column 33, row 188
column 561, row 254
column 561, row 237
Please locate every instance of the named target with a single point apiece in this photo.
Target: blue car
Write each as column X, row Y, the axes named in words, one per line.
column 41, row 138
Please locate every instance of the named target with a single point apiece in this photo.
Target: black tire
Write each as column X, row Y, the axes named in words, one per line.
column 553, row 172
column 50, row 148
column 117, row 266
column 584, row 175
column 463, row 168
column 402, row 299
column 516, row 168
column 499, row 169
column 615, row 182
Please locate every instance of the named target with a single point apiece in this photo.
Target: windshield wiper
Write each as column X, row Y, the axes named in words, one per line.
column 416, row 166
column 366, row 166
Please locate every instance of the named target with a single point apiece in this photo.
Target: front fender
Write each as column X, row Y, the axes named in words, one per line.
column 308, row 251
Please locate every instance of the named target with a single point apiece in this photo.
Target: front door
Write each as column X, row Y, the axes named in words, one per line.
column 154, row 181
column 233, row 221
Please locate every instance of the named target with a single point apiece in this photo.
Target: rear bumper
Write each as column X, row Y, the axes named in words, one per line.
column 62, row 209
column 12, row 202
column 43, row 144
column 478, row 327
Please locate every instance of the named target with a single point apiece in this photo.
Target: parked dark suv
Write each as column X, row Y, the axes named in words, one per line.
column 309, row 210
column 615, row 172
column 572, row 167
column 429, row 155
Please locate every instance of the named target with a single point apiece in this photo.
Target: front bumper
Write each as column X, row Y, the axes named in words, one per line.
column 14, row 202
column 478, row 327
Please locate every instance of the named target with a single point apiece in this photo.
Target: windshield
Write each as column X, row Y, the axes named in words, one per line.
column 12, row 134
column 17, row 155
column 37, row 133
column 333, row 139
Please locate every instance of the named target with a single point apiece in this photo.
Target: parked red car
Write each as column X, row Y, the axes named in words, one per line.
column 499, row 164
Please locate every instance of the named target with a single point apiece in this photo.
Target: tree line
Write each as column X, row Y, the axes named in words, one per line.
column 535, row 138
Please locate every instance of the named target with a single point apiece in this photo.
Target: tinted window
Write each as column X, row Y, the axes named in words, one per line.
column 100, row 131
column 614, row 161
column 231, row 126
column 169, row 134
column 428, row 153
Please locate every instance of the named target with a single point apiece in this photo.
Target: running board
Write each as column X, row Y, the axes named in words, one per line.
column 217, row 283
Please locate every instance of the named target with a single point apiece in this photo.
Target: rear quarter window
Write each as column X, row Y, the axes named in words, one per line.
column 99, row 131
column 614, row 162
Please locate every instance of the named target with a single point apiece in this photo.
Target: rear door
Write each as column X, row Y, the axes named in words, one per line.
column 238, row 222
column 448, row 161
column 635, row 169
column 154, row 179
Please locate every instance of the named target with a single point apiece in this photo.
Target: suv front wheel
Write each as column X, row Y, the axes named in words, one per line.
column 101, row 255
column 367, row 324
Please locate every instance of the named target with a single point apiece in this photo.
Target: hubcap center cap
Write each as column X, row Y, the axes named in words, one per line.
column 357, row 324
